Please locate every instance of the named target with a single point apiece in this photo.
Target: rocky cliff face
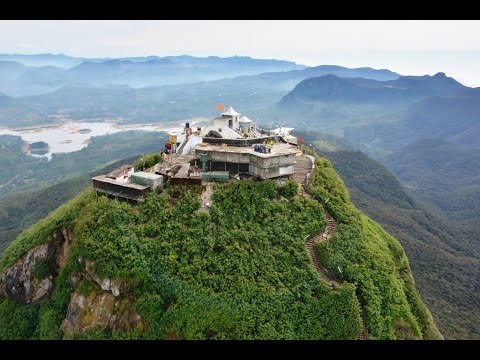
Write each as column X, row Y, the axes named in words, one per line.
column 115, row 286
column 104, row 305
column 21, row 284
column 100, row 310
column 32, row 277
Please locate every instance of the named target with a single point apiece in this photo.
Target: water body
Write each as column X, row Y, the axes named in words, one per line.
column 72, row 136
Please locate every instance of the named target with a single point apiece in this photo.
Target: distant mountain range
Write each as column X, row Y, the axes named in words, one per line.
column 57, row 60
column 67, row 62
column 81, row 99
column 22, row 75
column 404, row 89
column 425, row 129
column 383, row 116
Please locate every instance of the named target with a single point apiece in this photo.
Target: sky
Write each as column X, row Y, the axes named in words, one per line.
column 407, row 47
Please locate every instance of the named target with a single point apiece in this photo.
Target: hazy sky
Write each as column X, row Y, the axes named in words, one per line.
column 408, row 47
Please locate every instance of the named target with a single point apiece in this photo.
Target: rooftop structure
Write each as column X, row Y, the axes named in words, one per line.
column 232, row 147
column 232, row 143
column 132, row 192
column 231, row 112
column 124, row 183
column 277, row 149
column 122, row 173
column 277, row 161
column 151, row 180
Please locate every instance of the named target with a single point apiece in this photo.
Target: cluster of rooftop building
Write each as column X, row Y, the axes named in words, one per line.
column 233, row 147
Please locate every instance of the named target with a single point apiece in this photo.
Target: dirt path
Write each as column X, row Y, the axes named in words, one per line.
column 317, row 238
column 206, row 197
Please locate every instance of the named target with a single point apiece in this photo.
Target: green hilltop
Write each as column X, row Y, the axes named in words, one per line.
column 164, row 269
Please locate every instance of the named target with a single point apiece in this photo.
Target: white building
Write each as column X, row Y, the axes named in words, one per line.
column 245, row 124
column 229, row 118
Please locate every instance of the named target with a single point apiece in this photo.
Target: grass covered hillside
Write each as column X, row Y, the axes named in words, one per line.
column 164, row 269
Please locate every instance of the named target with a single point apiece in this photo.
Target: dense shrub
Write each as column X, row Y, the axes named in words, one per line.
column 147, row 161
column 362, row 253
column 17, row 322
column 238, row 271
column 41, row 269
column 289, row 189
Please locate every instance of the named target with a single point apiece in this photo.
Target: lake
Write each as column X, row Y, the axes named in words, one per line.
column 75, row 135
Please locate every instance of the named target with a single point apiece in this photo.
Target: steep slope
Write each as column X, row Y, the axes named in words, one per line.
column 161, row 269
column 431, row 145
column 443, row 174
column 443, row 257
column 454, row 119
column 20, row 210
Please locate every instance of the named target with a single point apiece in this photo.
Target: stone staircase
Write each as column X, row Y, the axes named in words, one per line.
column 303, row 166
column 323, row 272
column 363, row 332
column 254, row 133
column 316, row 239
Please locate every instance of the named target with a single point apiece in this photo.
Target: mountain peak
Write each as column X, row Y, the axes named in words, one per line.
column 210, row 280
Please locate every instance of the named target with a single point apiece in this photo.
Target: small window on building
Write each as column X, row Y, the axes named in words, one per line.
column 219, row 129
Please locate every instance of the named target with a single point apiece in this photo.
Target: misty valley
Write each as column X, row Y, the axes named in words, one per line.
column 406, row 150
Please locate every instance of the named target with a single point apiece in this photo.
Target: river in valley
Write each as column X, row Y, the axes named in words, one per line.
column 75, row 135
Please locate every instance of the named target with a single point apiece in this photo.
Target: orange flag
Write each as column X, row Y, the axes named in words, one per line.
column 220, row 107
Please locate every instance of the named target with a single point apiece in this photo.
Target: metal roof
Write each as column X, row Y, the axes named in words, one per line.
column 245, row 119
column 231, row 112
column 146, row 175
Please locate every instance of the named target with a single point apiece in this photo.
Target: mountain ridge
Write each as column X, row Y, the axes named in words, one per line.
column 404, row 89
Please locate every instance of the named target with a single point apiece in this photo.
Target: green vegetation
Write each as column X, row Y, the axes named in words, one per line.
column 85, row 287
column 52, row 310
column 31, row 187
column 38, row 234
column 444, row 258
column 361, row 253
column 17, row 322
column 147, row 161
column 442, row 174
column 41, row 269
column 19, row 172
column 289, row 189
column 246, row 276
column 238, row 271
